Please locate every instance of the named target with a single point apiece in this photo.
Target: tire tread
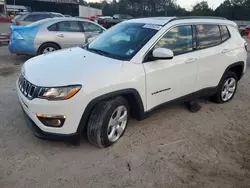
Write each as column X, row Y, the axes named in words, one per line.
column 97, row 119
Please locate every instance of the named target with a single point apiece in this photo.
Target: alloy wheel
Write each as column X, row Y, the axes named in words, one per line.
column 48, row 50
column 228, row 89
column 117, row 123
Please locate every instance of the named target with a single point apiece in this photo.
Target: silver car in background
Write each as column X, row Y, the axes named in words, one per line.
column 52, row 34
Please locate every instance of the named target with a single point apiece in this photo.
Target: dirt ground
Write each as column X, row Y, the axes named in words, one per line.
column 172, row 148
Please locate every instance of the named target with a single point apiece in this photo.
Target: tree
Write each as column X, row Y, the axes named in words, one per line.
column 225, row 10
column 202, row 9
column 231, row 9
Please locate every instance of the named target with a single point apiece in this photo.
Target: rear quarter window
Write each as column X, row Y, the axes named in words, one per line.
column 53, row 27
column 224, row 33
column 208, row 35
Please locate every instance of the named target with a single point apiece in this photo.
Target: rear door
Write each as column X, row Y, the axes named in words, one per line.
column 91, row 30
column 213, row 47
column 69, row 34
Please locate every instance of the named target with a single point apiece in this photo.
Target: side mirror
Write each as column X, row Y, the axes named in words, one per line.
column 163, row 53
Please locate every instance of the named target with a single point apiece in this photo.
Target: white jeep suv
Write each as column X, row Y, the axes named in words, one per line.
column 130, row 70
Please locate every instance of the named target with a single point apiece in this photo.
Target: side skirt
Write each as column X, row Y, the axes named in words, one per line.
column 193, row 96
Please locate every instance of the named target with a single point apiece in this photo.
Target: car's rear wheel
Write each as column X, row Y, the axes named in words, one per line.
column 227, row 88
column 108, row 122
column 48, row 48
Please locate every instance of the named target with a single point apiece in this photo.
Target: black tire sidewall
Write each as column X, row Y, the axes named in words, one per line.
column 41, row 49
column 224, row 79
column 110, row 111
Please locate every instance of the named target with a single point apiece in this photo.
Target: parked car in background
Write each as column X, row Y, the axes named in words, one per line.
column 85, row 18
column 117, row 18
column 52, row 34
column 246, row 31
column 4, row 28
column 31, row 17
column 67, row 15
column 102, row 19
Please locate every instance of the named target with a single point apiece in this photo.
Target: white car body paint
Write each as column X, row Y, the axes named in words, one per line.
column 101, row 75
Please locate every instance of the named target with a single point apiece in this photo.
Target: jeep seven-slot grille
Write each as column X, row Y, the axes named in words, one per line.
column 28, row 89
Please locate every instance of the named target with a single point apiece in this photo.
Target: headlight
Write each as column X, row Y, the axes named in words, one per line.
column 59, row 93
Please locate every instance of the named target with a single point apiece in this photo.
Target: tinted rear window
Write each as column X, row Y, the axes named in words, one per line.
column 69, row 26
column 53, row 27
column 208, row 35
column 224, row 33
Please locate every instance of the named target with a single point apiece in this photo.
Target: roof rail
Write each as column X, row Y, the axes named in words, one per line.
column 199, row 17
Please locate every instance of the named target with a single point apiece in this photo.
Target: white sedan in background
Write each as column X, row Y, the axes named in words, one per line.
column 52, row 34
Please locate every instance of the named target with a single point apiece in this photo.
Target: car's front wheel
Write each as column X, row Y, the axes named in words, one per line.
column 108, row 122
column 227, row 88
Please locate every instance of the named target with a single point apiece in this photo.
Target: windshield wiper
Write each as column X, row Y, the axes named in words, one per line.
column 101, row 52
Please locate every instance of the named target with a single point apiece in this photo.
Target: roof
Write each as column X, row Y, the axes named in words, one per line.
column 153, row 20
column 164, row 20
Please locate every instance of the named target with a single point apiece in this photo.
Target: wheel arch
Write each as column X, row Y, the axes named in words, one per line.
column 134, row 100
column 48, row 42
column 237, row 68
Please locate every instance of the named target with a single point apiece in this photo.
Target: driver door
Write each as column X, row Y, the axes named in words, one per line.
column 170, row 79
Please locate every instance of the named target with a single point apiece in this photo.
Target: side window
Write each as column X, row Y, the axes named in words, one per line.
column 208, row 36
column 178, row 39
column 224, row 32
column 53, row 27
column 36, row 17
column 69, row 26
column 89, row 27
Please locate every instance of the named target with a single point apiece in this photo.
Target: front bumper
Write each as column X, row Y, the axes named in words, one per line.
column 68, row 108
column 49, row 136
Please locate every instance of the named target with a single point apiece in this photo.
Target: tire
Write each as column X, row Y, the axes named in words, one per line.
column 226, row 80
column 103, row 120
column 46, row 46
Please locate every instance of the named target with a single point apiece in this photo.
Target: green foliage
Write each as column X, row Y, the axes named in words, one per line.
column 231, row 9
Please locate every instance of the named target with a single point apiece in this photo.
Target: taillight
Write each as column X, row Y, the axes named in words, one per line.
column 18, row 23
column 104, row 22
column 246, row 46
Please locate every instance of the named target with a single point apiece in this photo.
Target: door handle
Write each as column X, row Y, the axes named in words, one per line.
column 225, row 51
column 60, row 35
column 191, row 60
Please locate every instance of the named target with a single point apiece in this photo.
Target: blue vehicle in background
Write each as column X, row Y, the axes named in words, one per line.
column 52, row 34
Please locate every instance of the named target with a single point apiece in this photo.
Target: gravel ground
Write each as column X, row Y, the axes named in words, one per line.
column 172, row 148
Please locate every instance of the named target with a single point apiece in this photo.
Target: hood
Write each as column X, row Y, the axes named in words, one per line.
column 68, row 67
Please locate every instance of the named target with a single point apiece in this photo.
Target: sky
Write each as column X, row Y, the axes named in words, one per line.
column 187, row 3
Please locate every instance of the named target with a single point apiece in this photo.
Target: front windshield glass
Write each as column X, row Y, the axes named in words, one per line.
column 123, row 41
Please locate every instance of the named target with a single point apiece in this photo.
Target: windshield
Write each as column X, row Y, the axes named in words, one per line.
column 123, row 41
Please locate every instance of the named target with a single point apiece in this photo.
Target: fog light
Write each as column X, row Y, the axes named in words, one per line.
column 51, row 120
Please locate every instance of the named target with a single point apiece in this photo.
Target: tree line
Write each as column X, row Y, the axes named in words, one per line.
column 230, row 9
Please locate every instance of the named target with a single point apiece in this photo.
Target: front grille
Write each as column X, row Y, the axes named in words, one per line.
column 28, row 89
